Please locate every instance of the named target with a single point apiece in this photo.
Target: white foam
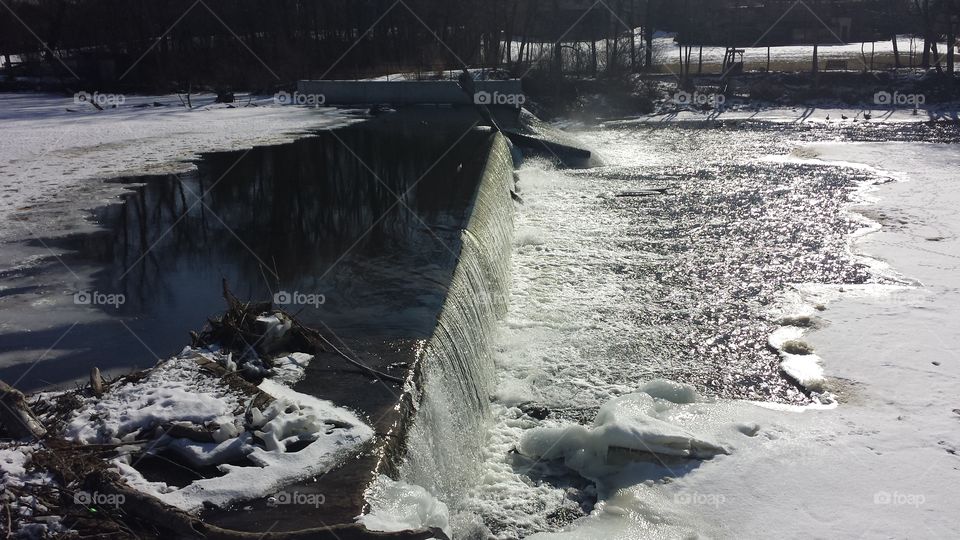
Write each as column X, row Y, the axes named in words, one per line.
column 399, row 506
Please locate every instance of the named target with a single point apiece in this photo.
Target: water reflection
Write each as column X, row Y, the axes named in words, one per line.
column 365, row 219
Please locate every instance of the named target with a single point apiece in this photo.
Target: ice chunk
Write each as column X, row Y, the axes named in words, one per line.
column 398, row 506
column 629, row 423
column 797, row 358
column 671, row 391
column 290, row 369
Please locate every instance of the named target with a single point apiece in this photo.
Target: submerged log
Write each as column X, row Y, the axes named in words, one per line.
column 16, row 417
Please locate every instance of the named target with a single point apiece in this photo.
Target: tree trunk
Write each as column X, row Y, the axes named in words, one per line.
column 896, row 52
column 633, row 39
column 936, row 56
column 683, row 80
column 648, row 43
column 593, row 55
column 816, row 60
column 951, row 42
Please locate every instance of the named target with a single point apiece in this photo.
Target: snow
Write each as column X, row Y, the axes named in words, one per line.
column 822, row 113
column 399, row 506
column 14, row 463
column 665, row 49
column 291, row 368
column 178, row 391
column 805, row 368
column 293, row 417
column 635, row 423
column 52, row 148
column 673, row 392
column 175, row 391
column 883, row 463
column 23, row 510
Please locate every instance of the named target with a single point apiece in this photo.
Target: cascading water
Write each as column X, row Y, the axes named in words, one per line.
column 447, row 434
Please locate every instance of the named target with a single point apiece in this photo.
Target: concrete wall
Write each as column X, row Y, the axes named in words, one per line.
column 411, row 92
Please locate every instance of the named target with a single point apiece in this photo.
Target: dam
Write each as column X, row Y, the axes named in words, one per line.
column 391, row 238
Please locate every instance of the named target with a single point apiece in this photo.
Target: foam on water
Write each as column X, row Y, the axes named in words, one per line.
column 611, row 292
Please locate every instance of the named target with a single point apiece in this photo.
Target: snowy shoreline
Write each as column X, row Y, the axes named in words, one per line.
column 882, row 462
column 834, row 114
column 56, row 153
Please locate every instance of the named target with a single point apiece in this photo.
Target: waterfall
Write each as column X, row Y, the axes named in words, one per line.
column 448, row 431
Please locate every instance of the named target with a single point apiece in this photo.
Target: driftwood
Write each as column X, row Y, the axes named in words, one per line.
column 96, row 382
column 16, row 417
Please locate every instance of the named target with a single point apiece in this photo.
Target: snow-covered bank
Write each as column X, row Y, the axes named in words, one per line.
column 856, row 54
column 834, row 114
column 52, row 148
column 882, row 464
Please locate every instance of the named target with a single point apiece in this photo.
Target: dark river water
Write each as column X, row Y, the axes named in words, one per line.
column 354, row 230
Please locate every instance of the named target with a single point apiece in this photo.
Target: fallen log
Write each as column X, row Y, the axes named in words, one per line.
column 16, row 417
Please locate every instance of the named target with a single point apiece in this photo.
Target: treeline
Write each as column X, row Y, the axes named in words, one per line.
column 239, row 42
column 257, row 44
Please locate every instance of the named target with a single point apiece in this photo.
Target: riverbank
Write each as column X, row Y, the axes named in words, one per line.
column 57, row 152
